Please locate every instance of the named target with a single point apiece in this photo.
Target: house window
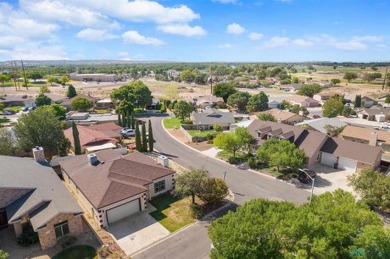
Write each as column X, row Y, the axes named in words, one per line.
column 318, row 157
column 159, row 186
column 61, row 229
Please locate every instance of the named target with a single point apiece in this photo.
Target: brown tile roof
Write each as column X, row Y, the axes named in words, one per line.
column 301, row 99
column 353, row 150
column 364, row 133
column 309, row 141
column 118, row 178
column 279, row 114
column 95, row 135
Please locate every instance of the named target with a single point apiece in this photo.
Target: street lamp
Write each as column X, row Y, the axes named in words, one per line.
column 312, row 184
column 224, row 176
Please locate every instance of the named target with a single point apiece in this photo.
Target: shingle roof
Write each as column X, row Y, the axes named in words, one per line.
column 353, row 150
column 45, row 195
column 280, row 114
column 118, row 178
column 364, row 133
column 320, row 123
column 95, row 134
column 213, row 116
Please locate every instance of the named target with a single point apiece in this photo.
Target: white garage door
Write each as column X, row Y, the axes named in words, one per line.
column 328, row 159
column 347, row 164
column 123, row 211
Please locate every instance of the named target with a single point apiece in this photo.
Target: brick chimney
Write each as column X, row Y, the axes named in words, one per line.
column 373, row 139
column 39, row 154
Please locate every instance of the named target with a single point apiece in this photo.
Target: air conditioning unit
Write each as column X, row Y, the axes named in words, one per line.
column 163, row 160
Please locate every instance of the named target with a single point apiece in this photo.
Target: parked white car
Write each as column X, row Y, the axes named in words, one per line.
column 127, row 132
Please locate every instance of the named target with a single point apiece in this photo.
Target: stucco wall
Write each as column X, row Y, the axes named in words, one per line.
column 169, row 182
column 47, row 236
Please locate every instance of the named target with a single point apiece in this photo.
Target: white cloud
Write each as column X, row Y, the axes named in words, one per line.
column 225, row 1
column 368, row 38
column 95, row 35
column 225, row 46
column 34, row 51
column 62, row 11
column 302, row 43
column 255, row 36
column 277, row 42
column 135, row 38
column 235, row 28
column 183, row 30
column 136, row 10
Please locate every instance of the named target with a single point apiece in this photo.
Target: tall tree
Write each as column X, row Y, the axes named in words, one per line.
column 183, row 110
column 76, row 139
column 51, row 80
column 228, row 142
column 4, row 78
column 349, row 76
column 213, row 190
column 258, row 102
column 42, row 100
column 150, row 137
column 59, row 111
column 144, row 138
column 7, row 145
column 81, row 104
column 133, row 121
column 266, row 117
column 41, row 128
column 71, row 91
column 136, row 93
column 358, row 100
column 332, row 108
column 189, row 183
column 223, row 90
column 309, row 90
column 64, row 80
column 239, row 100
column 331, row 227
column 138, row 142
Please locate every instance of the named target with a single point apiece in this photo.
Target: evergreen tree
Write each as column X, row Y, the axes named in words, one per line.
column 138, row 143
column 144, row 139
column 71, row 91
column 128, row 119
column 151, row 139
column 358, row 101
column 76, row 139
column 132, row 121
column 119, row 120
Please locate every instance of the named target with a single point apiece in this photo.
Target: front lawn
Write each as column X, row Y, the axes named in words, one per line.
column 201, row 133
column 82, row 252
column 224, row 155
column 4, row 120
column 172, row 212
column 172, row 123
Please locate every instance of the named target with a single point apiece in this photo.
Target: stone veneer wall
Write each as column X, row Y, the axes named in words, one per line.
column 47, row 236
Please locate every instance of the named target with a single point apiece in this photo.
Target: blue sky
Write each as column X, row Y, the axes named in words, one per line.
column 197, row 31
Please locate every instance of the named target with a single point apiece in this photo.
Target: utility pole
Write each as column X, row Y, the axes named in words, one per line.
column 211, row 79
column 24, row 76
column 385, row 78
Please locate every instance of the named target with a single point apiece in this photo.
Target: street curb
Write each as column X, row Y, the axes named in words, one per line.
column 250, row 170
column 162, row 239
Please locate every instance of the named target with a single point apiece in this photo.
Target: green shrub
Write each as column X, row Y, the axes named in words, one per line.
column 28, row 237
column 233, row 160
column 252, row 163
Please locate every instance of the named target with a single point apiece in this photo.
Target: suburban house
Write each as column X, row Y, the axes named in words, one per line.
column 87, row 118
column 319, row 147
column 375, row 113
column 210, row 117
column 56, row 98
column 111, row 186
column 104, row 104
column 94, row 77
column 290, row 87
column 302, row 101
column 273, row 104
column 321, row 123
column 67, row 102
column 282, row 116
column 96, row 137
column 322, row 97
column 32, row 195
column 207, row 101
column 154, row 105
column 368, row 101
column 9, row 100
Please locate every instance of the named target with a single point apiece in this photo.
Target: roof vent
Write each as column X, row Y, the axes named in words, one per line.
column 93, row 159
column 163, row 160
column 39, row 154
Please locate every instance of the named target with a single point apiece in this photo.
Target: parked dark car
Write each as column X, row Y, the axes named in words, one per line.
column 304, row 178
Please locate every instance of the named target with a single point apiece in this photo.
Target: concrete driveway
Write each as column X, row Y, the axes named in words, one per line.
column 329, row 179
column 137, row 231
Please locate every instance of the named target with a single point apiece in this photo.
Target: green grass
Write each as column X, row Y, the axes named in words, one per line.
column 4, row 120
column 14, row 108
column 224, row 155
column 172, row 212
column 82, row 252
column 198, row 133
column 172, row 123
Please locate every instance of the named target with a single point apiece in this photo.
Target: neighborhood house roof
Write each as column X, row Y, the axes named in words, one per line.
column 280, row 114
column 375, row 110
column 211, row 116
column 37, row 192
column 365, row 133
column 320, row 123
column 301, row 99
column 95, row 134
column 353, row 150
column 115, row 178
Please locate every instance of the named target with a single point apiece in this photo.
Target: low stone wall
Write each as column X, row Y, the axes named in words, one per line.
column 186, row 134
